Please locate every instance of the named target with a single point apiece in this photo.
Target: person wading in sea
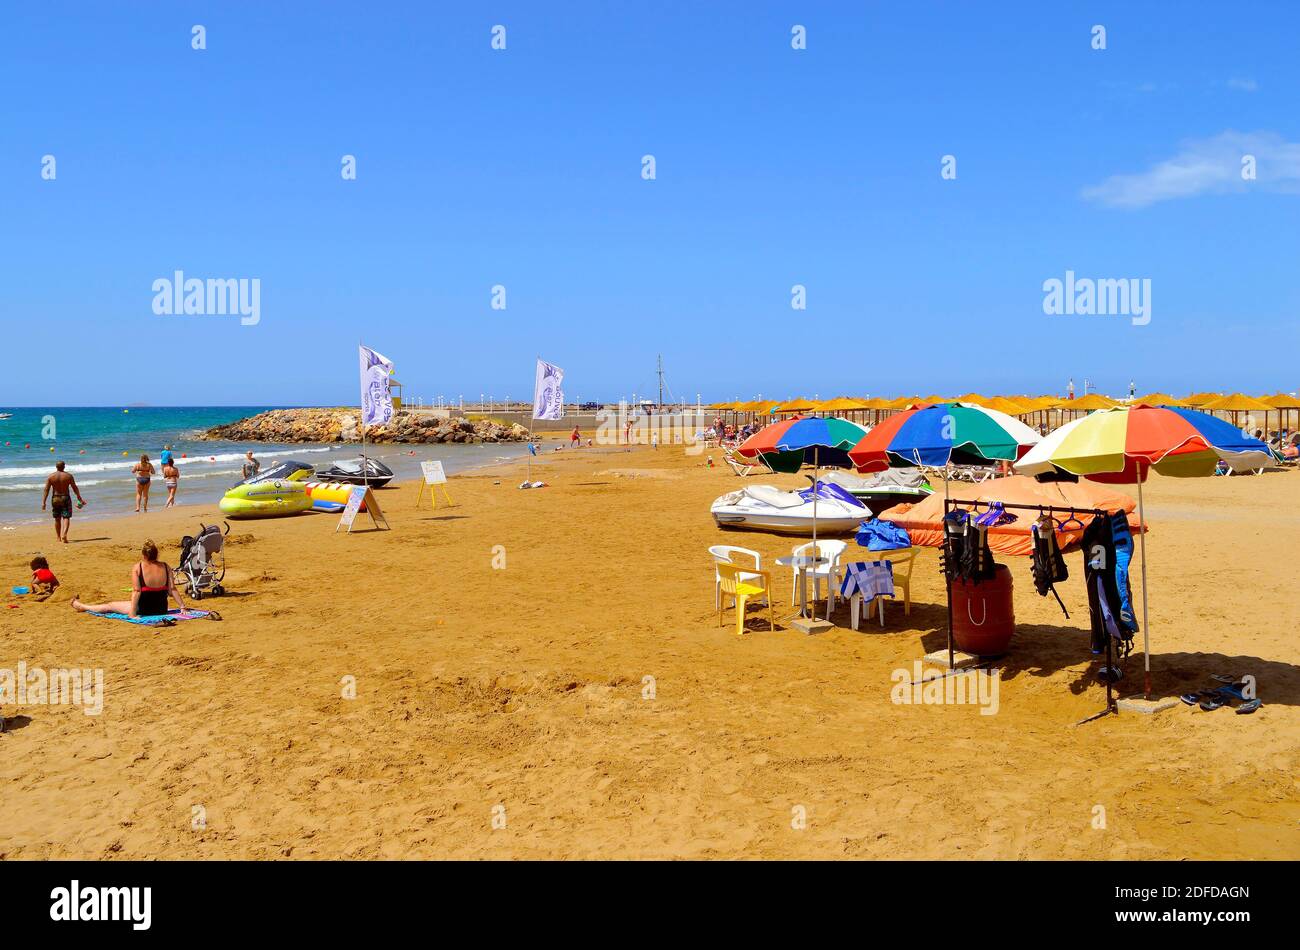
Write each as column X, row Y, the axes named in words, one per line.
column 63, row 486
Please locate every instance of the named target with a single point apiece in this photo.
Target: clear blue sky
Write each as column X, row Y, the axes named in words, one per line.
column 523, row 168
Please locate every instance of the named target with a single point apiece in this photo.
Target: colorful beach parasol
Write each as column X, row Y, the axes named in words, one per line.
column 787, row 446
column 942, row 433
column 1122, row 445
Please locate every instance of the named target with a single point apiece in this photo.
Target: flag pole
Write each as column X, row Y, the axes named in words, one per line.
column 365, row 465
column 532, row 423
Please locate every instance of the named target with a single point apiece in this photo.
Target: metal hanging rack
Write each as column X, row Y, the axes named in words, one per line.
column 953, row 504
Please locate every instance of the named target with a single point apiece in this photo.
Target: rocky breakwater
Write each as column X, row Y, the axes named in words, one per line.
column 344, row 425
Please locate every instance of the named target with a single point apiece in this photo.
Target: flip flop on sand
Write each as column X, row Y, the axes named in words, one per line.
column 1217, row 698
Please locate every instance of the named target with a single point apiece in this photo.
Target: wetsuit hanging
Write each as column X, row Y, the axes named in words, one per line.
column 1106, row 606
column 1123, row 537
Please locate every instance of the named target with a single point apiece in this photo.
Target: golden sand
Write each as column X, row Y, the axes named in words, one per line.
column 520, row 693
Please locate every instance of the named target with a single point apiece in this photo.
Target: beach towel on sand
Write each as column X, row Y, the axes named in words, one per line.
column 172, row 615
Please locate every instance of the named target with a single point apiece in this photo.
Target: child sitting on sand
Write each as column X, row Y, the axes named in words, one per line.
column 43, row 579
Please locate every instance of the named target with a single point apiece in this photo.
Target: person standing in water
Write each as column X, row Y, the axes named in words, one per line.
column 63, row 486
column 171, row 476
column 251, row 465
column 143, row 472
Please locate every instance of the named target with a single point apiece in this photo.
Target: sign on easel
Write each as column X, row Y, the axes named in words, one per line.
column 361, row 495
column 433, row 477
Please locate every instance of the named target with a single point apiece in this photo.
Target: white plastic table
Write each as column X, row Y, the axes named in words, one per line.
column 801, row 563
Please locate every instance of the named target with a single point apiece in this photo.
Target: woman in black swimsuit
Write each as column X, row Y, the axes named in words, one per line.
column 152, row 582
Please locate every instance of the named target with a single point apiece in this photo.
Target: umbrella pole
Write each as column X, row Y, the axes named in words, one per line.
column 947, row 581
column 1146, row 625
column 816, row 550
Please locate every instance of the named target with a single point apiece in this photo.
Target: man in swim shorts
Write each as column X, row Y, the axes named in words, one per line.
column 63, row 486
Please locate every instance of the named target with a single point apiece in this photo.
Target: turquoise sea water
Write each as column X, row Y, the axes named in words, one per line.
column 93, row 441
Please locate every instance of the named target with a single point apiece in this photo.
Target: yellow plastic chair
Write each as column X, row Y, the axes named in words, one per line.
column 733, row 586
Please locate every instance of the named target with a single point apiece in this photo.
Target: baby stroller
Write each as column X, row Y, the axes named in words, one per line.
column 203, row 561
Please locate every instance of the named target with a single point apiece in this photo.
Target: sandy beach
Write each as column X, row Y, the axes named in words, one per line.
column 517, row 694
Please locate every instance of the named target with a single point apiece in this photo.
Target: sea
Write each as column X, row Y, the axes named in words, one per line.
column 100, row 444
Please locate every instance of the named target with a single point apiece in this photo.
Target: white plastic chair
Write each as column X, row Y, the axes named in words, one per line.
column 828, row 572
column 724, row 553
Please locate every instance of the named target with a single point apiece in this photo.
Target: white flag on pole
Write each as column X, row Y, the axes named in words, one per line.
column 376, row 400
column 548, row 397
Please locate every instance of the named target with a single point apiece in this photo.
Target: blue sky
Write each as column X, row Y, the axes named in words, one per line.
column 522, row 168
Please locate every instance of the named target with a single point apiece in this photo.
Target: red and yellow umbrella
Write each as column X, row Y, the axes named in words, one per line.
column 1122, row 445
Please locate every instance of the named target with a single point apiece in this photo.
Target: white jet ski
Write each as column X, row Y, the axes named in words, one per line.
column 767, row 508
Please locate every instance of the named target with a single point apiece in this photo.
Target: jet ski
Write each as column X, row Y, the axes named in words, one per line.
column 881, row 490
column 768, row 508
column 375, row 474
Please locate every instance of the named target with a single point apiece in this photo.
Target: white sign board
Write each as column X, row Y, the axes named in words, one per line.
column 433, row 473
column 354, row 505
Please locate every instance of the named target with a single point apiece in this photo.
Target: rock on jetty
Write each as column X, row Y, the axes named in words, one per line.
column 344, row 425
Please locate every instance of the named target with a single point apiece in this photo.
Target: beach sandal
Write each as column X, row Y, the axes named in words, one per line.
column 1235, row 691
column 166, row 622
column 1232, row 688
column 1248, row 707
column 213, row 615
column 1217, row 698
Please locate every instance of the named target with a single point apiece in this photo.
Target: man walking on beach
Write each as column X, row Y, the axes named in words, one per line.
column 63, row 486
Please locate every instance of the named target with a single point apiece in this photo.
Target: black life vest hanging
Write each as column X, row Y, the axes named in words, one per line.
column 954, row 544
column 1048, row 564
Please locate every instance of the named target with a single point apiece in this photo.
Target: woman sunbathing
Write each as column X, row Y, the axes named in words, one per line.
column 151, row 581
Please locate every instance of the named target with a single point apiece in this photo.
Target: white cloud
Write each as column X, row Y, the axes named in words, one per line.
column 1206, row 166
column 1243, row 85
